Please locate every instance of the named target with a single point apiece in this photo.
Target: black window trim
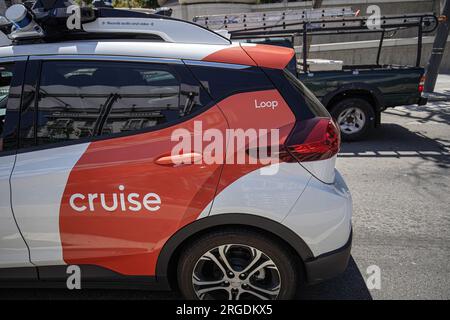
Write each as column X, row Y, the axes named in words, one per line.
column 10, row 59
column 100, row 57
column 6, row 60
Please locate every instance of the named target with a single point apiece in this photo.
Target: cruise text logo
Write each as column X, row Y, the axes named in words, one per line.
column 120, row 201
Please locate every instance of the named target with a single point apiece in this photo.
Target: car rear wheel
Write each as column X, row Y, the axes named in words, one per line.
column 355, row 118
column 237, row 265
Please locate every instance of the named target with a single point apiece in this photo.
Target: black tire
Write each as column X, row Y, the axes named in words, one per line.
column 365, row 107
column 290, row 274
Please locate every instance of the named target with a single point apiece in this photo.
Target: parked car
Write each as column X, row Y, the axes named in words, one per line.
column 114, row 202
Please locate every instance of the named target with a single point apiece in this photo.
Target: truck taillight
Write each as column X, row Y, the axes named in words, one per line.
column 313, row 139
column 421, row 84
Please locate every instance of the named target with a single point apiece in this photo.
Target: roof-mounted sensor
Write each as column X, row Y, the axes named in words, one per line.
column 57, row 20
column 23, row 24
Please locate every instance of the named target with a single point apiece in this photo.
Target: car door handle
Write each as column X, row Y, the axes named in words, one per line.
column 179, row 159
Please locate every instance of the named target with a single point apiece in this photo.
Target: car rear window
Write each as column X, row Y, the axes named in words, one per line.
column 222, row 82
column 312, row 102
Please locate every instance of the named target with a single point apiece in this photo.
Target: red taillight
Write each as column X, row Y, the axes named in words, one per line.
column 421, row 84
column 314, row 139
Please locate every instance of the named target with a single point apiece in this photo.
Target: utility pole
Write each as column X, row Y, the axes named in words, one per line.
column 437, row 52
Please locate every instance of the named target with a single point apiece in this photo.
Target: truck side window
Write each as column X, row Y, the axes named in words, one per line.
column 6, row 74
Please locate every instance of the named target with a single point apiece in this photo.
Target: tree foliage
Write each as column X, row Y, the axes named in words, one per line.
column 135, row 3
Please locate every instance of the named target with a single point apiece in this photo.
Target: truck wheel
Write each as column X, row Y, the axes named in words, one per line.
column 237, row 265
column 355, row 118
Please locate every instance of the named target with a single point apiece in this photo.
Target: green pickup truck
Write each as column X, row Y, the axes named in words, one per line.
column 356, row 95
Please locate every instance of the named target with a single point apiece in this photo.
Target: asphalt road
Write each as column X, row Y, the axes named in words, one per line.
column 400, row 181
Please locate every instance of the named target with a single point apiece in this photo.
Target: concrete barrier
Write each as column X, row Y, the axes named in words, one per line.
column 187, row 9
column 395, row 51
column 352, row 48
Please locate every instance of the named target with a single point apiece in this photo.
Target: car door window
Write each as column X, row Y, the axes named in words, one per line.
column 146, row 96
column 80, row 99
column 69, row 102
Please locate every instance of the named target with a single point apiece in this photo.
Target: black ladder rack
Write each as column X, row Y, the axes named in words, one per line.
column 425, row 23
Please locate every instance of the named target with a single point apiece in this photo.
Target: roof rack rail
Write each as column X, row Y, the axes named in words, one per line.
column 317, row 21
column 47, row 21
column 427, row 22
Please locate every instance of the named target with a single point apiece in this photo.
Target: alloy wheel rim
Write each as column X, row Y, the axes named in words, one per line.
column 351, row 120
column 236, row 272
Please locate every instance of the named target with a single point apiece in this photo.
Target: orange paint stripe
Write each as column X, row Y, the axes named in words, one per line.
column 267, row 56
column 234, row 55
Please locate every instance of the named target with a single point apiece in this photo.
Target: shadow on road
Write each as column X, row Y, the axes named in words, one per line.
column 395, row 141
column 348, row 286
column 85, row 294
column 438, row 111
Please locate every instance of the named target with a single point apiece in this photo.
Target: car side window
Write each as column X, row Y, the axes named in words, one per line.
column 145, row 96
column 78, row 99
column 6, row 74
column 69, row 101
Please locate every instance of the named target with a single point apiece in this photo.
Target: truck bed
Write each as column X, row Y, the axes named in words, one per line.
column 392, row 85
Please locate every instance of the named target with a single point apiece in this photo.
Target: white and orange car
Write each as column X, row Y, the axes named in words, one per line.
column 89, row 177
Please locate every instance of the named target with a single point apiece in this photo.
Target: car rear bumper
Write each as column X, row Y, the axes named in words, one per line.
column 422, row 101
column 321, row 217
column 328, row 265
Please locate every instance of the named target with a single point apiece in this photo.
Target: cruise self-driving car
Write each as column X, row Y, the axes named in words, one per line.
column 89, row 176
